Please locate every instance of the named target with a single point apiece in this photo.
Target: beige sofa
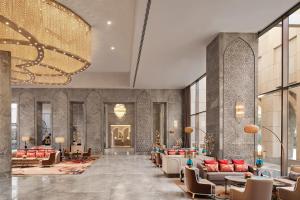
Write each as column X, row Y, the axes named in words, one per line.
column 172, row 164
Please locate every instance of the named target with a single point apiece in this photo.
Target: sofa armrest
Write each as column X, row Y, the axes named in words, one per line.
column 202, row 170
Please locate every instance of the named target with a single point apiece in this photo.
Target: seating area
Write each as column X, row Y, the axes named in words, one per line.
column 233, row 179
column 209, row 90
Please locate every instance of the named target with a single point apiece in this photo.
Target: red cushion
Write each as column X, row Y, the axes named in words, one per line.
column 40, row 154
column 210, row 162
column 181, row 152
column 226, row 168
column 20, row 154
column 212, row 167
column 223, row 161
column 241, row 167
column 238, row 162
column 171, row 152
column 31, row 154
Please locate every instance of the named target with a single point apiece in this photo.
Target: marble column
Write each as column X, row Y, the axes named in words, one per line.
column 231, row 62
column 5, row 101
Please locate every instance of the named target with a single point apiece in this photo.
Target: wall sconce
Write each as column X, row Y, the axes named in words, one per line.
column 175, row 124
column 239, row 110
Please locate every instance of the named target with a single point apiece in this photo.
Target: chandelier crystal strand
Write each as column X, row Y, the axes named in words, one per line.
column 48, row 42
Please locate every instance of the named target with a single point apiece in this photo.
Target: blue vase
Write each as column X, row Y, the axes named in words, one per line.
column 259, row 162
column 189, row 162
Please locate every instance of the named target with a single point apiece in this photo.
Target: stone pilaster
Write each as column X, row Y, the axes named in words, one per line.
column 231, row 67
column 5, row 101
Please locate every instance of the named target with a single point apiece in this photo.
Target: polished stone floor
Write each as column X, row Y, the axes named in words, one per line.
column 116, row 177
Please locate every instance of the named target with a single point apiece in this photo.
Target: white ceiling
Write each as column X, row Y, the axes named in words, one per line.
column 177, row 34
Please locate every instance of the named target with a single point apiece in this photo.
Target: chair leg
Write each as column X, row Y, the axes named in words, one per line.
column 193, row 195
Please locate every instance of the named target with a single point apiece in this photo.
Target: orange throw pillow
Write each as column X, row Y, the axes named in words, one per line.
column 226, row 168
column 241, row 167
column 212, row 167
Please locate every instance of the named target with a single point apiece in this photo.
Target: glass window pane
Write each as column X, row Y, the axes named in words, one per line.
column 294, row 124
column 14, row 133
column 269, row 117
column 193, row 98
column 294, row 47
column 202, row 94
column 193, row 135
column 202, row 128
column 269, row 60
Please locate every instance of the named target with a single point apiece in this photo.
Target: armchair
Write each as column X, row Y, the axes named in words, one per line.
column 196, row 186
column 290, row 193
column 255, row 189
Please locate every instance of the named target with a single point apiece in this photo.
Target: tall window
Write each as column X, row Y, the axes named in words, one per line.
column 279, row 93
column 14, row 129
column 294, row 90
column 198, row 111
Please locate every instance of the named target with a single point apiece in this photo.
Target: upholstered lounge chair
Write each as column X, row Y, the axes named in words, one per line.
column 260, row 189
column 48, row 162
column 195, row 185
column 290, row 193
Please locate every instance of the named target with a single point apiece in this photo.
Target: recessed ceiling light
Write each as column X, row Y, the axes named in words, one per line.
column 7, row 23
column 109, row 22
column 112, row 48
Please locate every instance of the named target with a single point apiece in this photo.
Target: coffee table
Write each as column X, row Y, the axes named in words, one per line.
column 240, row 181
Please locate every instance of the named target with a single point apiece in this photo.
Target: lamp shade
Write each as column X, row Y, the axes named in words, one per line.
column 251, row 129
column 59, row 140
column 25, row 138
column 188, row 130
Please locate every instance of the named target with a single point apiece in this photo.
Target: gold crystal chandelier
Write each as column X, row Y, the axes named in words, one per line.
column 48, row 42
column 120, row 110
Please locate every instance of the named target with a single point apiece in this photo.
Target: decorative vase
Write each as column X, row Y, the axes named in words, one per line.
column 189, row 162
column 259, row 162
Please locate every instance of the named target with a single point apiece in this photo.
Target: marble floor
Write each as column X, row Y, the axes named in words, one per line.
column 117, row 177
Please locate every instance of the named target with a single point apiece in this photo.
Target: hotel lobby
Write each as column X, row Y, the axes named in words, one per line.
column 149, row 99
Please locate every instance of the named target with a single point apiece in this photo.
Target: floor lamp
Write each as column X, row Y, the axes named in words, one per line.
column 188, row 131
column 60, row 141
column 253, row 129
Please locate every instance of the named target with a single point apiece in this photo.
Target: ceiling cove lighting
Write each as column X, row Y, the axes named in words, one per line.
column 120, row 110
column 48, row 42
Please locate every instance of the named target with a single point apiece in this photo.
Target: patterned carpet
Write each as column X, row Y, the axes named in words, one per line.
column 69, row 167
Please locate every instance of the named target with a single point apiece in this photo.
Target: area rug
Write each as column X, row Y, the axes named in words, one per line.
column 69, row 167
column 220, row 190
